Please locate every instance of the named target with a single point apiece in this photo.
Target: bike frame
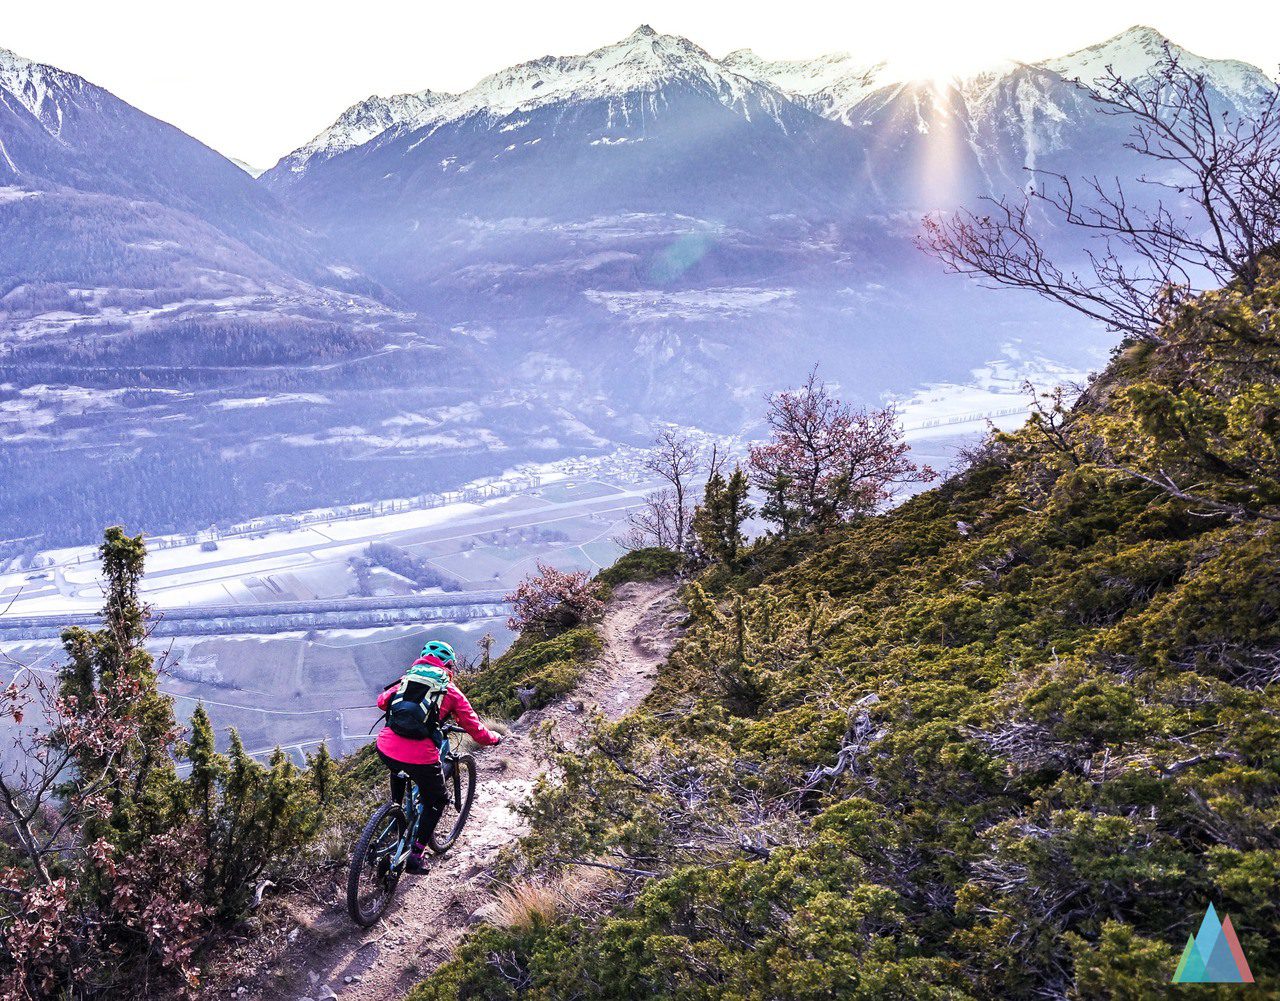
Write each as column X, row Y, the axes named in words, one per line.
column 413, row 801
column 413, row 815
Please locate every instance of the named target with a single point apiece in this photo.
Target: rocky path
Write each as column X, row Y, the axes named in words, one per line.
column 330, row 957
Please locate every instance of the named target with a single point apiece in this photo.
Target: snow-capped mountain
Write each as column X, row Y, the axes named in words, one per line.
column 364, row 121
column 35, row 87
column 830, row 85
column 992, row 124
column 650, row 124
column 1134, row 53
column 67, row 139
column 836, row 85
column 651, row 206
column 643, row 63
column 1011, row 115
column 57, row 127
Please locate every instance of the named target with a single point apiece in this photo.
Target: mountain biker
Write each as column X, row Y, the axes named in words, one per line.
column 419, row 756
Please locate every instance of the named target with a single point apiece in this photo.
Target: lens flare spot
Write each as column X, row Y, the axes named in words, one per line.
column 673, row 261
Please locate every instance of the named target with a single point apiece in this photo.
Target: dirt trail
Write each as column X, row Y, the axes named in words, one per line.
column 432, row 912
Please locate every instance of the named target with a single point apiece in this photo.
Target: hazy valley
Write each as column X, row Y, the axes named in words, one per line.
column 443, row 287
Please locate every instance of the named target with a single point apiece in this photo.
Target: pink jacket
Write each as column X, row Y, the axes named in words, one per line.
column 425, row 752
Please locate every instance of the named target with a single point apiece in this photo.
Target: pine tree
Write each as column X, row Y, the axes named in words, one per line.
column 256, row 817
column 208, row 769
column 323, row 772
column 110, row 669
column 777, row 507
column 719, row 519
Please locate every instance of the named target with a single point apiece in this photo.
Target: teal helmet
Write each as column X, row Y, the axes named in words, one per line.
column 441, row 651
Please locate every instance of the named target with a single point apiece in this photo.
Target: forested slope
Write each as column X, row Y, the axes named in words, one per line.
column 1007, row 740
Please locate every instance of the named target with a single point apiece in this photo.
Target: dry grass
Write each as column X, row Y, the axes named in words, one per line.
column 495, row 724
column 526, row 906
column 585, row 887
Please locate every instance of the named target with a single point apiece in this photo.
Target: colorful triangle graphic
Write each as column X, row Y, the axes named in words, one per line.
column 1190, row 967
column 1242, row 964
column 1213, row 955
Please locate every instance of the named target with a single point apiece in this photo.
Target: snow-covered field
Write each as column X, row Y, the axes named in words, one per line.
column 659, row 305
column 308, row 558
column 1001, row 393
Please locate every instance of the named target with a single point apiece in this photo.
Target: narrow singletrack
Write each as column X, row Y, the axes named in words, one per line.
column 431, row 913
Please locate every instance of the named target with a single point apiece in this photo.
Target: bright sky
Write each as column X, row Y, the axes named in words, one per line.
column 258, row 78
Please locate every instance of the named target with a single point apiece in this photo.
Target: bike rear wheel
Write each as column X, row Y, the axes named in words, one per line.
column 460, row 784
column 374, row 874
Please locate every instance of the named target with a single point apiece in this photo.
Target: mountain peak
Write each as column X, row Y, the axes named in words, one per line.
column 36, row 86
column 367, row 119
column 1131, row 53
column 643, row 62
column 828, row 85
column 1139, row 33
column 1135, row 52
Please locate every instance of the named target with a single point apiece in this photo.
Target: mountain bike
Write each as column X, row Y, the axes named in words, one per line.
column 382, row 851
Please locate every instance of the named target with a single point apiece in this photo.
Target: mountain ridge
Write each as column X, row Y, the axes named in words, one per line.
column 832, row 85
column 644, row 61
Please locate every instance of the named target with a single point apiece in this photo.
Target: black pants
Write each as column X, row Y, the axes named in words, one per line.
column 430, row 782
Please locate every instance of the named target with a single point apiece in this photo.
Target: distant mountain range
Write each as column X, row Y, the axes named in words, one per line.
column 1010, row 115
column 440, row 283
column 650, row 207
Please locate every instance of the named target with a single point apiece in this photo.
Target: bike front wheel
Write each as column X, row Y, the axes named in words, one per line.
column 374, row 873
column 460, row 784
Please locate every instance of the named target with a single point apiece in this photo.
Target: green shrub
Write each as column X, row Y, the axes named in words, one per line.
column 652, row 563
column 542, row 668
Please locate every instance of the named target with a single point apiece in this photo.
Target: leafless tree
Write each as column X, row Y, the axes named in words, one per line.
column 653, row 524
column 675, row 459
column 666, row 518
column 1218, row 172
column 826, row 461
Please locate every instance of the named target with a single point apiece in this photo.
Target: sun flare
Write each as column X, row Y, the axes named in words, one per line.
column 932, row 63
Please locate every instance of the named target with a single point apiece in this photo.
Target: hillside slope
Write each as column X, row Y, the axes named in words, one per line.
column 1008, row 740
column 177, row 348
column 62, row 135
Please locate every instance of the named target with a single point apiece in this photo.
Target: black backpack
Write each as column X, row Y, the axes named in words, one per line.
column 414, row 712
